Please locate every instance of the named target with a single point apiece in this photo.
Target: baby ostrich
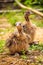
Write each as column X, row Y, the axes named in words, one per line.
column 29, row 28
column 18, row 42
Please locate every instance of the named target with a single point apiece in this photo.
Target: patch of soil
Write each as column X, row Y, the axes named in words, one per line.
column 32, row 58
column 4, row 25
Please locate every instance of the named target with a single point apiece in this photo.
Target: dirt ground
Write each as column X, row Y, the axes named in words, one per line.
column 32, row 58
column 4, row 26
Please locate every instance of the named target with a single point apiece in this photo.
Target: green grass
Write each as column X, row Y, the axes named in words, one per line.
column 38, row 21
column 14, row 17
column 2, row 44
column 36, row 47
column 23, row 56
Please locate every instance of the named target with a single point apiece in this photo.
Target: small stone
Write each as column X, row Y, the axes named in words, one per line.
column 17, row 54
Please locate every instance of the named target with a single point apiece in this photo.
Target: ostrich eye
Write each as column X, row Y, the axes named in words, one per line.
column 23, row 26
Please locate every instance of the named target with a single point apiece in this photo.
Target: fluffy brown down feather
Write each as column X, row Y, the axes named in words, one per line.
column 18, row 42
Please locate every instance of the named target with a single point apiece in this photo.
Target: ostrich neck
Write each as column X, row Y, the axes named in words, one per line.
column 28, row 23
